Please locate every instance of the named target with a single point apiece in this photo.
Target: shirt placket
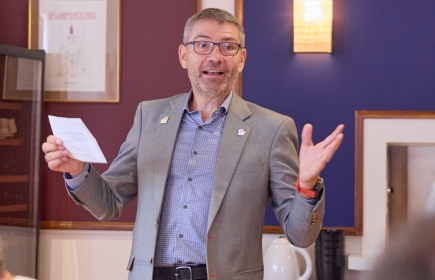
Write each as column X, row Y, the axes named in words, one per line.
column 185, row 208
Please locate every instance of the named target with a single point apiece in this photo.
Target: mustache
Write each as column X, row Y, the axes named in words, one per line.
column 214, row 66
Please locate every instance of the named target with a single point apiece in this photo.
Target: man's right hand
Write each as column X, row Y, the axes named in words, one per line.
column 56, row 156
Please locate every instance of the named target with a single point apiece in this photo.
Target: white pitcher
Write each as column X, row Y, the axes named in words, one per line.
column 280, row 262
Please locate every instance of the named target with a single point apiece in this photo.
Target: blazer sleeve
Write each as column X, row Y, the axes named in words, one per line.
column 300, row 220
column 107, row 195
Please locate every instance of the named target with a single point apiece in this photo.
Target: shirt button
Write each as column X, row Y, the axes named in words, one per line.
column 190, row 179
column 150, row 260
column 200, row 127
column 195, row 152
column 185, row 206
column 180, row 235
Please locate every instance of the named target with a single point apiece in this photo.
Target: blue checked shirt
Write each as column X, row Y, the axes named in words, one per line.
column 183, row 223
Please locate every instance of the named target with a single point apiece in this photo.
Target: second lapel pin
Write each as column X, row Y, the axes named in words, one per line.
column 241, row 132
column 164, row 120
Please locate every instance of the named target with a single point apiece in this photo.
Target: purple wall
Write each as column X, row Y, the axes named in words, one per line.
column 382, row 60
column 150, row 69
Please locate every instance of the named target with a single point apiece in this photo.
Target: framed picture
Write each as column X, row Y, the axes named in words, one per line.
column 386, row 141
column 81, row 39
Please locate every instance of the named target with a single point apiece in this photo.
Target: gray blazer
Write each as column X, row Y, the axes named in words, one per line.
column 250, row 169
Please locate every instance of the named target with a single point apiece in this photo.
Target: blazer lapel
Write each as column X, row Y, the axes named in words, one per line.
column 167, row 132
column 230, row 149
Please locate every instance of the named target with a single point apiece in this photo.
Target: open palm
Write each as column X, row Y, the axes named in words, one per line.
column 313, row 158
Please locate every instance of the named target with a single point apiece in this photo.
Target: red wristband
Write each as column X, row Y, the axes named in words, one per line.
column 308, row 193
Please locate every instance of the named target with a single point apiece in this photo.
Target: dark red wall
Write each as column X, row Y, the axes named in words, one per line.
column 13, row 22
column 151, row 34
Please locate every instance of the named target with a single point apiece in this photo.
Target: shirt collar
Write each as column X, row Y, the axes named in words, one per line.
column 223, row 108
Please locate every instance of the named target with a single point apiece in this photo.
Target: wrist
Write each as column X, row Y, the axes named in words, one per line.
column 312, row 192
column 308, row 184
column 79, row 170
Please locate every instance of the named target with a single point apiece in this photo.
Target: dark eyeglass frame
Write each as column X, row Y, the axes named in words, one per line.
column 239, row 46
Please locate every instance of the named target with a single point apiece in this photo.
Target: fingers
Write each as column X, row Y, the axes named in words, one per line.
column 332, row 147
column 306, row 135
column 55, row 163
column 55, row 152
column 55, row 155
column 322, row 152
column 53, row 143
column 54, row 140
column 313, row 159
column 56, row 159
column 336, row 138
column 338, row 130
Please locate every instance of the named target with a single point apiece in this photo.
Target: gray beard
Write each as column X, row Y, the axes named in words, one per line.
column 212, row 89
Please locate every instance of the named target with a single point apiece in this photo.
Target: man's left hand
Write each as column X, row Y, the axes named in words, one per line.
column 313, row 158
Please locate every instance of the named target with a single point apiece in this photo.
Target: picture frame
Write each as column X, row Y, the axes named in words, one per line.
column 81, row 39
column 375, row 132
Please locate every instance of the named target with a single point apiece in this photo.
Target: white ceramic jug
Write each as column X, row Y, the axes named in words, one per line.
column 280, row 262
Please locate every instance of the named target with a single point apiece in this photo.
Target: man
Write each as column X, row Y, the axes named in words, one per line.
column 4, row 273
column 203, row 166
column 408, row 252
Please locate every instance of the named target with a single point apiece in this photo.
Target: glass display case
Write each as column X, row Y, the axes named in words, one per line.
column 21, row 105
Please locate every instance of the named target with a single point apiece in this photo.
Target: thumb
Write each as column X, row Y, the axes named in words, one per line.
column 307, row 133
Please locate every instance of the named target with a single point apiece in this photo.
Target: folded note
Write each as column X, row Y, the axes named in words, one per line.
column 77, row 139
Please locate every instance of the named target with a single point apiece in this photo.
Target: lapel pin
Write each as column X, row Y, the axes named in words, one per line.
column 241, row 132
column 164, row 120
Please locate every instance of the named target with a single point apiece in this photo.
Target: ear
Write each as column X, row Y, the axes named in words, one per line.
column 242, row 61
column 182, row 55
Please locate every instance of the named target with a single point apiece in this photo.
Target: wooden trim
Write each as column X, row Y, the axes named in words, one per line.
column 87, row 225
column 11, row 142
column 395, row 114
column 197, row 6
column 273, row 229
column 116, row 226
column 238, row 13
column 11, row 105
column 238, row 10
column 14, row 179
column 6, row 221
column 358, row 196
column 72, row 225
column 278, row 230
column 13, row 208
column 33, row 18
column 360, row 116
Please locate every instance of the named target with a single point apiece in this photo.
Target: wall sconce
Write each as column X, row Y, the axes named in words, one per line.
column 312, row 21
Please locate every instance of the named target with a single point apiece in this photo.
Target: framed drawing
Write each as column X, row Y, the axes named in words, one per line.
column 377, row 132
column 81, row 39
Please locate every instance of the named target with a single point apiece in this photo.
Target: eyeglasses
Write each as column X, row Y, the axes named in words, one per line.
column 206, row 47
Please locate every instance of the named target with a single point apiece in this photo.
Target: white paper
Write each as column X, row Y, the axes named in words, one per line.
column 77, row 139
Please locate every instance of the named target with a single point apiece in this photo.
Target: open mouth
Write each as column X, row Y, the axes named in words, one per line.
column 212, row 72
